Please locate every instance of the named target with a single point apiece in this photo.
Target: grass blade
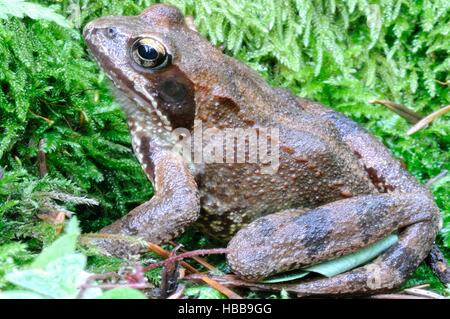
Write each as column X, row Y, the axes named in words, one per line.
column 350, row 261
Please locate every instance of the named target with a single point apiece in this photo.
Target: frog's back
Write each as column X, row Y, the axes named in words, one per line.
column 315, row 167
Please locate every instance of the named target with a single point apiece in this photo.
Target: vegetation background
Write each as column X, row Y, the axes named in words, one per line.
column 340, row 53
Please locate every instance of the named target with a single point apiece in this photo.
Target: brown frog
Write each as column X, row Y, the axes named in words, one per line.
column 336, row 189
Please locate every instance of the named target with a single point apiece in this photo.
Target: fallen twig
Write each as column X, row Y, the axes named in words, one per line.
column 234, row 281
column 428, row 119
column 124, row 285
column 444, row 83
column 201, row 277
column 422, row 286
column 165, row 254
column 200, row 260
column 42, row 159
column 221, row 288
column 395, row 296
column 178, row 293
column 409, row 115
column 169, row 277
column 51, row 122
column 434, row 179
column 188, row 254
column 423, row 293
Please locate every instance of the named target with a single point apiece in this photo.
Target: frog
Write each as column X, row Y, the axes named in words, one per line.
column 336, row 189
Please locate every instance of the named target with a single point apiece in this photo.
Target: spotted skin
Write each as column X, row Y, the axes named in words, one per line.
column 337, row 189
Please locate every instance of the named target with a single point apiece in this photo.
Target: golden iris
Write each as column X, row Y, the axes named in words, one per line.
column 149, row 53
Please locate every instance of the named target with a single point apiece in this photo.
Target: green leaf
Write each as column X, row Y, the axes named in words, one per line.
column 339, row 265
column 59, row 279
column 20, row 8
column 123, row 293
column 10, row 255
column 64, row 245
column 344, row 263
column 285, row 277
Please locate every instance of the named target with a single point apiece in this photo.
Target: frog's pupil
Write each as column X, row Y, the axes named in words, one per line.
column 147, row 52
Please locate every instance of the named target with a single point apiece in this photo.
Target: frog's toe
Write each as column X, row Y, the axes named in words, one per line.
column 115, row 245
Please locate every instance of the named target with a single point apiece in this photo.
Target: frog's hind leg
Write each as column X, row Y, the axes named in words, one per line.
column 285, row 241
column 385, row 273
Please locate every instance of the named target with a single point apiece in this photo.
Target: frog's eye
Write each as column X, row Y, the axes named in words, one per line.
column 149, row 53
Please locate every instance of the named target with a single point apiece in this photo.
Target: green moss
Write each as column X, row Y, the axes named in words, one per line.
column 424, row 275
column 101, row 264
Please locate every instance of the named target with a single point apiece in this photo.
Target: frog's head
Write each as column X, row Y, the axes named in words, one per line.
column 157, row 59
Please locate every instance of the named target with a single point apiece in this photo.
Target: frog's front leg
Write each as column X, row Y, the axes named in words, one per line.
column 174, row 206
column 290, row 240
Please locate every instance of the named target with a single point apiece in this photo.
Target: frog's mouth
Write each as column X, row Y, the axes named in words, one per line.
column 138, row 103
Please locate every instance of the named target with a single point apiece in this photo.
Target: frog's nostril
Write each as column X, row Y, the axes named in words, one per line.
column 112, row 32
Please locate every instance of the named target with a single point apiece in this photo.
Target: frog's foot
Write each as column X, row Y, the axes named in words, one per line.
column 287, row 241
